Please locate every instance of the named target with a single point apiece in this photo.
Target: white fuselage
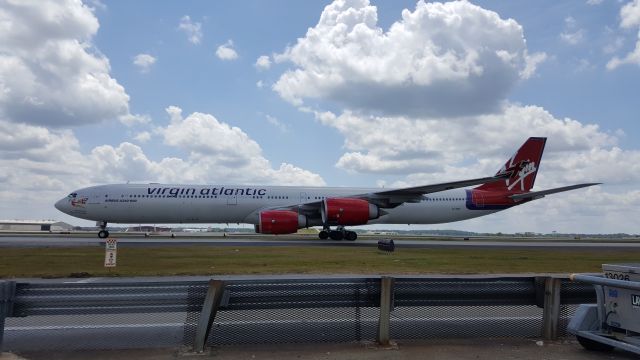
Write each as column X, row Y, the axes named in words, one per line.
column 160, row 203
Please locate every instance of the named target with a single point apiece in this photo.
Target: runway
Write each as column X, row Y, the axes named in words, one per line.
column 274, row 241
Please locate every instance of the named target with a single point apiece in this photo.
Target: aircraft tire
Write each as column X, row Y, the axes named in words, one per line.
column 103, row 234
column 351, row 235
column 336, row 235
column 323, row 235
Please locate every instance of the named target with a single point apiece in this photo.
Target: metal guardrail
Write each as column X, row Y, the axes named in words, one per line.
column 290, row 310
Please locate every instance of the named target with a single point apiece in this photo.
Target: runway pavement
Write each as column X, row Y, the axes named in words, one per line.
column 271, row 241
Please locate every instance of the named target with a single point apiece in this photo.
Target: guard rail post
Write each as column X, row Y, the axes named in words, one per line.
column 208, row 314
column 386, row 304
column 551, row 312
column 7, row 293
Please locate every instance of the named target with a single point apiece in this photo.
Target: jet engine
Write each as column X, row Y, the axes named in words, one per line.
column 346, row 211
column 280, row 222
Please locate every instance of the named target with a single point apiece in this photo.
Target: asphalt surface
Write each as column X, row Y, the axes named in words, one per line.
column 467, row 349
column 239, row 241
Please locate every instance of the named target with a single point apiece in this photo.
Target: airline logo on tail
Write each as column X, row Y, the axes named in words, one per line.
column 518, row 172
column 521, row 168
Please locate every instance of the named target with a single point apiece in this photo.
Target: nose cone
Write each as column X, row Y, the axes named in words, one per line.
column 62, row 205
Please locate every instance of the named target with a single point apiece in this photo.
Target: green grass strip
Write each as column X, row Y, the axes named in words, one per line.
column 205, row 260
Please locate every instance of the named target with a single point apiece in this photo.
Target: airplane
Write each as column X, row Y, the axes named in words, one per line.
column 285, row 209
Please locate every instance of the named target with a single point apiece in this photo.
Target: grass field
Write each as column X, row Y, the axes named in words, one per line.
column 203, row 260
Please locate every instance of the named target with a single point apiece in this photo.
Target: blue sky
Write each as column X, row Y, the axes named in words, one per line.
column 386, row 93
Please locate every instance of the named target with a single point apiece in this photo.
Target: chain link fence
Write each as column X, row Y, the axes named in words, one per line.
column 134, row 314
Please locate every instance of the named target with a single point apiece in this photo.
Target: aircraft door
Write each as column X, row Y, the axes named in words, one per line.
column 303, row 197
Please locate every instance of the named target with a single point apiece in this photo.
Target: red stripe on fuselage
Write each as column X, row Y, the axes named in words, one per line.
column 490, row 200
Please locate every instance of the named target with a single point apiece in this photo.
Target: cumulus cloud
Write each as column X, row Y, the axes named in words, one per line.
column 428, row 63
column 144, row 62
column 431, row 150
column 143, row 136
column 135, row 119
column 629, row 19
column 226, row 51
column 50, row 72
column 219, row 148
column 631, row 58
column 435, row 149
column 630, row 14
column 32, row 170
column 193, row 30
column 263, row 63
column 531, row 64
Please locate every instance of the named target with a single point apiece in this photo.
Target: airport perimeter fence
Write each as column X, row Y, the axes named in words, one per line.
column 194, row 314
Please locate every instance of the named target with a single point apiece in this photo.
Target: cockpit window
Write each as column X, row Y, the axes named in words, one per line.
column 72, row 195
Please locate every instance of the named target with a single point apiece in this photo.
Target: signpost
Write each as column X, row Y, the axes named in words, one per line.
column 110, row 252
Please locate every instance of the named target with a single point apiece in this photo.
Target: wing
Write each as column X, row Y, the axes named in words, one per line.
column 533, row 195
column 391, row 198
column 396, row 197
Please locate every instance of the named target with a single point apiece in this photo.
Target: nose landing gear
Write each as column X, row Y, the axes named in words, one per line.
column 103, row 233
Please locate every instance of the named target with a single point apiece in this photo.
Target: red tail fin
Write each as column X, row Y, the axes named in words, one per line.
column 522, row 168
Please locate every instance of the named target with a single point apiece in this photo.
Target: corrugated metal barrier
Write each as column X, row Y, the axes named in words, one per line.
column 141, row 314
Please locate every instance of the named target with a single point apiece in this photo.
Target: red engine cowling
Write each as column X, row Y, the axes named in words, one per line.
column 280, row 222
column 345, row 211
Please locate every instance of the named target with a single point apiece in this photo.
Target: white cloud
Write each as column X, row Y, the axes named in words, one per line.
column 219, row 148
column 431, row 150
column 226, row 51
column 594, row 2
column 574, row 37
column 629, row 18
column 144, row 62
column 135, row 119
column 427, row 63
column 263, row 63
column 630, row 14
column 531, row 64
column 615, row 45
column 97, row 5
column 583, row 65
column 259, row 84
column 33, row 172
column 597, row 210
column 439, row 148
column 50, row 73
column 142, row 137
column 631, row 58
column 276, row 123
column 192, row 29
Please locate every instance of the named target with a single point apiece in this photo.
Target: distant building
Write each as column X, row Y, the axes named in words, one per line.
column 34, row 225
column 148, row 228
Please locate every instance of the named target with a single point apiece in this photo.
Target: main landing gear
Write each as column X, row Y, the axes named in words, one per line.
column 339, row 234
column 103, row 233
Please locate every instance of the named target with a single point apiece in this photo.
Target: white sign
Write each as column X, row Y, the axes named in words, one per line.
column 110, row 252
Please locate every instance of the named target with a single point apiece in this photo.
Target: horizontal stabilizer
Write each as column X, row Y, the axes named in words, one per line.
column 539, row 194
